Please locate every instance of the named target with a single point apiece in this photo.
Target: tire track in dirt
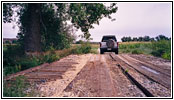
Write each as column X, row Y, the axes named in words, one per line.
column 123, row 85
column 155, row 88
column 93, row 81
column 155, row 75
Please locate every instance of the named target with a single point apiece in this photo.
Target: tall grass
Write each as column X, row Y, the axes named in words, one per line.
column 157, row 48
column 83, row 48
column 162, row 49
column 18, row 88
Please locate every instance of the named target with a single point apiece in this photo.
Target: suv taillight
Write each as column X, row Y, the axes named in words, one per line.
column 117, row 44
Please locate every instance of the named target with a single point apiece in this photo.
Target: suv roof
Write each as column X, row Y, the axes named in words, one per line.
column 107, row 37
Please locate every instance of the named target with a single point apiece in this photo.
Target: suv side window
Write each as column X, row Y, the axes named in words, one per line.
column 104, row 39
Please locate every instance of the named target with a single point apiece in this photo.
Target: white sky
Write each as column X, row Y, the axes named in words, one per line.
column 132, row 19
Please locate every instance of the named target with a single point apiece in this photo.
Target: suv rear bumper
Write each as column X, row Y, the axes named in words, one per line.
column 107, row 50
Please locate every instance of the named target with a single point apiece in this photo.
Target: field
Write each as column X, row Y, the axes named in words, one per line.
column 159, row 49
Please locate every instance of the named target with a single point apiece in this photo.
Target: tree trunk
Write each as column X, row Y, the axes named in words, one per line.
column 32, row 37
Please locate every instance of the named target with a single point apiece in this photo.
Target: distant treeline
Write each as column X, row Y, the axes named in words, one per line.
column 145, row 38
column 80, row 42
column 9, row 40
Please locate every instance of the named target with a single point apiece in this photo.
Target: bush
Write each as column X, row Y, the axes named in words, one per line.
column 15, row 88
column 51, row 57
column 11, row 69
column 156, row 48
column 11, row 57
column 11, row 53
column 158, row 52
column 21, row 64
column 84, row 48
column 28, row 63
column 162, row 49
column 166, row 56
column 135, row 51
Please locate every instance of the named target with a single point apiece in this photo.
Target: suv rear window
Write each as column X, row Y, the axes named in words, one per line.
column 105, row 38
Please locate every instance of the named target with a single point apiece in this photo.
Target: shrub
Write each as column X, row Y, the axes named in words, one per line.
column 162, row 49
column 15, row 88
column 166, row 56
column 51, row 57
column 135, row 51
column 11, row 53
column 84, row 48
column 28, row 63
column 11, row 69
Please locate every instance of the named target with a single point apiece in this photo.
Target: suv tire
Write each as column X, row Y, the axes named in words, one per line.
column 101, row 52
column 116, row 52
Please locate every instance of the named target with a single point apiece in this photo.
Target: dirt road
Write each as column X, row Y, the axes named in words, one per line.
column 107, row 75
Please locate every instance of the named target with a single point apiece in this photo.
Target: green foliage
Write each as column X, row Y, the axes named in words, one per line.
column 145, row 38
column 94, row 49
column 14, row 59
column 126, row 39
column 11, row 69
column 136, row 51
column 84, row 48
column 161, row 37
column 159, row 48
column 11, row 53
column 166, row 55
column 15, row 88
column 83, row 15
column 52, row 56
column 7, row 12
column 19, row 64
column 162, row 48
column 57, row 34
column 28, row 62
column 7, row 42
column 126, row 71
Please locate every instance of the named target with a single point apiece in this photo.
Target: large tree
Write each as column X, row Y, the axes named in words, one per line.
column 36, row 29
column 32, row 39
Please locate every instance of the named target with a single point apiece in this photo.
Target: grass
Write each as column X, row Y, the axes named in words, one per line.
column 94, row 48
column 159, row 49
column 18, row 88
column 135, row 48
column 15, row 88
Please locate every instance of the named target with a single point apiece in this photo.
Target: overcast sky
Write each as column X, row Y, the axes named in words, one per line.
column 132, row 19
